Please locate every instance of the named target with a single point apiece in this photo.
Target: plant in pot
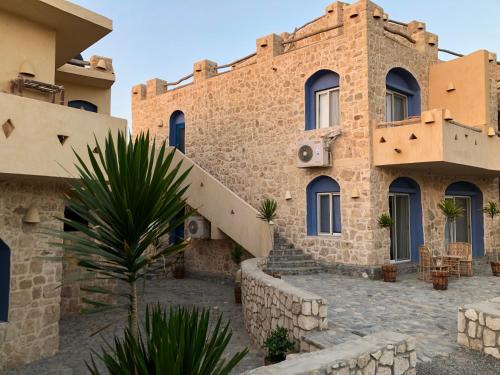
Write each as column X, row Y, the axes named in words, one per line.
column 236, row 255
column 452, row 211
column 492, row 210
column 389, row 270
column 277, row 345
column 267, row 212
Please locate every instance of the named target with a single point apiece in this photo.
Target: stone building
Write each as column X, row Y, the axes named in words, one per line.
column 350, row 116
column 51, row 101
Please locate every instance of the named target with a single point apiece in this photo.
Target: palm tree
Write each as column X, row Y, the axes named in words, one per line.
column 130, row 194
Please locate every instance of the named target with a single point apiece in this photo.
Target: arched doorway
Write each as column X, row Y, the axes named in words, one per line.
column 177, row 131
column 470, row 227
column 83, row 104
column 4, row 281
column 405, row 208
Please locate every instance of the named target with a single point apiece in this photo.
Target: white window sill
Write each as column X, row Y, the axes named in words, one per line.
column 335, row 235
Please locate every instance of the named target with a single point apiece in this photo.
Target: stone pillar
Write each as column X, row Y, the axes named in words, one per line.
column 155, row 87
column 269, row 46
column 138, row 92
column 204, row 69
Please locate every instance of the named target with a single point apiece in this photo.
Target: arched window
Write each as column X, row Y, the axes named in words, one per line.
column 470, row 227
column 402, row 99
column 4, row 281
column 83, row 104
column 322, row 100
column 405, row 208
column 177, row 129
column 323, row 207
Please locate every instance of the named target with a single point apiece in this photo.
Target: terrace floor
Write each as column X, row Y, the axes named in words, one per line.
column 75, row 331
column 408, row 306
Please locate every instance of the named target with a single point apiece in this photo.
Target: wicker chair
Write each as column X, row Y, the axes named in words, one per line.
column 464, row 251
column 426, row 263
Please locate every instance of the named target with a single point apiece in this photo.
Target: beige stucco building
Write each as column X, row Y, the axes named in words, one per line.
column 350, row 116
column 51, row 101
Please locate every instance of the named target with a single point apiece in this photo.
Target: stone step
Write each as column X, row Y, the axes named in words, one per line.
column 331, row 337
column 291, row 263
column 296, row 270
column 296, row 258
column 280, row 252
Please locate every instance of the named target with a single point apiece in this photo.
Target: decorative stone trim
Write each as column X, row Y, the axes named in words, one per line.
column 478, row 327
column 269, row 302
column 387, row 353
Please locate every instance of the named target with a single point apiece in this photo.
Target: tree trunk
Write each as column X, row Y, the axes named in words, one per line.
column 133, row 310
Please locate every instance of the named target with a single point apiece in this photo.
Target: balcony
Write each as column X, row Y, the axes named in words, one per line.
column 37, row 138
column 436, row 144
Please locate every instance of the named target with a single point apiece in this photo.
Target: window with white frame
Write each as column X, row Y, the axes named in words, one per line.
column 396, row 106
column 327, row 108
column 328, row 208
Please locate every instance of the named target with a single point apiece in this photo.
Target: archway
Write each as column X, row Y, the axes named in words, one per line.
column 322, row 100
column 470, row 227
column 323, row 207
column 405, row 208
column 83, row 104
column 402, row 95
column 177, row 131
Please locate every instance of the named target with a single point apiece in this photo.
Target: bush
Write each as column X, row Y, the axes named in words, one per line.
column 278, row 345
column 385, row 221
column 177, row 344
column 237, row 253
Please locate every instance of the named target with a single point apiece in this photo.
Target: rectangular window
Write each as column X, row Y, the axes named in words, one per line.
column 327, row 108
column 328, row 205
column 396, row 106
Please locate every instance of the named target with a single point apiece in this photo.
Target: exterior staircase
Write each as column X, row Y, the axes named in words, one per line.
column 285, row 259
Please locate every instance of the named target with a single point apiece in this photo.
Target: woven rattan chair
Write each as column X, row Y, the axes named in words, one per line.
column 464, row 251
column 425, row 264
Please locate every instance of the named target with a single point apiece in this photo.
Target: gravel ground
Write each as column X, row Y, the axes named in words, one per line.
column 462, row 362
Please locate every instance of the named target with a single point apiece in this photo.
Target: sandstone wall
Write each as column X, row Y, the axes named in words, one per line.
column 32, row 331
column 386, row 353
column 478, row 327
column 269, row 302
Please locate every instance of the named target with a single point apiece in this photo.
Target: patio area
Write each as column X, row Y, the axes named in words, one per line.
column 408, row 306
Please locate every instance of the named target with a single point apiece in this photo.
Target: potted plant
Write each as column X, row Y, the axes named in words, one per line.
column 440, row 276
column 451, row 210
column 277, row 345
column 389, row 270
column 492, row 210
column 236, row 255
column 267, row 212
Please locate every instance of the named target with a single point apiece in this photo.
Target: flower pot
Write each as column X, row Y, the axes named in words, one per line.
column 237, row 294
column 495, row 268
column 179, row 272
column 440, row 280
column 271, row 361
column 389, row 271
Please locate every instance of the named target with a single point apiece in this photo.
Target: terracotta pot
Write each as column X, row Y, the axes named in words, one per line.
column 179, row 272
column 495, row 268
column 237, row 294
column 389, row 271
column 440, row 280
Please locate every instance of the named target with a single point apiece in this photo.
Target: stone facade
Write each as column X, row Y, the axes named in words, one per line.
column 32, row 330
column 243, row 125
column 269, row 302
column 384, row 353
column 478, row 327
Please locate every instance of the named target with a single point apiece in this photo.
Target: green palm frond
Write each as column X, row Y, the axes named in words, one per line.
column 267, row 210
column 451, row 209
column 385, row 221
column 491, row 209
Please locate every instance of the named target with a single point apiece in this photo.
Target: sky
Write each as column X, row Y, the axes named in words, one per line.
column 164, row 38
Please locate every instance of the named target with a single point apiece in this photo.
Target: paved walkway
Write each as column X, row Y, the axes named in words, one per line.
column 76, row 344
column 408, row 306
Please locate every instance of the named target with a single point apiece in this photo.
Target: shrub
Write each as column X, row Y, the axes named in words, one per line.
column 278, row 344
column 385, row 221
column 237, row 253
column 267, row 210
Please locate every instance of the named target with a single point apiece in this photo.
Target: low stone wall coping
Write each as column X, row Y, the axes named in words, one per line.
column 381, row 352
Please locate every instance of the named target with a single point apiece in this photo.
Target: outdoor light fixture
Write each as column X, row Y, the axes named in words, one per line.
column 27, row 70
column 31, row 216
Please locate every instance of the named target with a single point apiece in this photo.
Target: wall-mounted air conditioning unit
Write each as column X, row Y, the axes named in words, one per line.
column 198, row 228
column 313, row 153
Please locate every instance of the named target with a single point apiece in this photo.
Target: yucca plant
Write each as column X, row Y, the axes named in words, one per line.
column 180, row 343
column 385, row 221
column 267, row 210
column 130, row 194
column 452, row 211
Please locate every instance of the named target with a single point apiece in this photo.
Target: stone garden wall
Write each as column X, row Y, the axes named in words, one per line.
column 384, row 353
column 479, row 327
column 269, row 302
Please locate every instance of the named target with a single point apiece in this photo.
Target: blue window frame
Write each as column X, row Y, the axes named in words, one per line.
column 323, row 207
column 4, row 281
column 322, row 100
column 83, row 104
column 402, row 95
column 177, row 131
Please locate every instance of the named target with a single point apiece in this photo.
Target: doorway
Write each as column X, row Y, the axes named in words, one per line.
column 400, row 232
column 177, row 136
column 460, row 230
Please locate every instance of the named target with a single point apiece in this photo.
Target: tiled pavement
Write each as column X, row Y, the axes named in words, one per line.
column 409, row 306
column 76, row 344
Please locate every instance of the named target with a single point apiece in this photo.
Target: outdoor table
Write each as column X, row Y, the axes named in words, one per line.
column 453, row 262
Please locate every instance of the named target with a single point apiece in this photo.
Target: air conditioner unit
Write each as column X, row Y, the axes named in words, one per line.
column 198, row 228
column 313, row 153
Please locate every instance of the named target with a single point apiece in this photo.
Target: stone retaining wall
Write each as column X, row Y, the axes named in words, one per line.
column 269, row 302
column 385, row 353
column 479, row 327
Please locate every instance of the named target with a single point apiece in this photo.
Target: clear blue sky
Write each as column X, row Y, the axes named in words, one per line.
column 163, row 38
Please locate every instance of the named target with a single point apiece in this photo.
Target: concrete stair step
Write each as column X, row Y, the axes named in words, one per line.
column 281, row 252
column 291, row 263
column 295, row 258
column 296, row 270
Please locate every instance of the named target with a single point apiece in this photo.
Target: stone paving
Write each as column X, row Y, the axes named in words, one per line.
column 75, row 344
column 408, row 306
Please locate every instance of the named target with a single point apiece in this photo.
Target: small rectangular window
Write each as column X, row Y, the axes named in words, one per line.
column 328, row 205
column 396, row 106
column 327, row 108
